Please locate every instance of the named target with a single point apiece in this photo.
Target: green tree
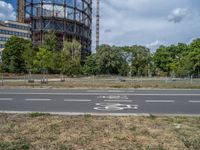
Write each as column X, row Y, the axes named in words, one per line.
column 13, row 55
column 43, row 60
column 139, row 57
column 110, row 60
column 49, row 41
column 28, row 57
column 194, row 56
column 170, row 59
column 162, row 59
column 90, row 66
column 71, row 58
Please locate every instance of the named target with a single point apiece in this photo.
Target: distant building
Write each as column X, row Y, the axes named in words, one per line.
column 12, row 28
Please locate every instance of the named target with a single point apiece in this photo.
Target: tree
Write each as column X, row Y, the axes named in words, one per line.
column 49, row 42
column 110, row 60
column 13, row 55
column 171, row 59
column 90, row 66
column 71, row 58
column 43, row 60
column 28, row 57
column 162, row 59
column 139, row 58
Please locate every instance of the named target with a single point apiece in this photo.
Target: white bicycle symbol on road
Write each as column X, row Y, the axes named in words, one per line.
column 114, row 107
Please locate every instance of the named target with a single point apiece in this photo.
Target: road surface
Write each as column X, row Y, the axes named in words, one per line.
column 101, row 102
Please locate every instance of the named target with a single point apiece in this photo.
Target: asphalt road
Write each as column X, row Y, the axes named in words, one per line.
column 101, row 102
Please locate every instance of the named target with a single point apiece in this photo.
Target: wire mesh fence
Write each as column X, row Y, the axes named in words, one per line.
column 46, row 80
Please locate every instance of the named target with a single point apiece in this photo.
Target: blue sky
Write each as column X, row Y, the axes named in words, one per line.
column 143, row 22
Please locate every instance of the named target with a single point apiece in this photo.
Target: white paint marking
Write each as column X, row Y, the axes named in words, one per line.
column 37, row 99
column 129, row 101
column 6, row 99
column 104, row 91
column 113, row 97
column 160, row 101
column 114, row 107
column 194, row 101
column 123, row 94
column 77, row 100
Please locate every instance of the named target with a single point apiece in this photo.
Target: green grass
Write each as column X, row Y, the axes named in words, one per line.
column 36, row 114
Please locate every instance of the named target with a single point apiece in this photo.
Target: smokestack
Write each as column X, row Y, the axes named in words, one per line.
column 21, row 11
column 97, row 24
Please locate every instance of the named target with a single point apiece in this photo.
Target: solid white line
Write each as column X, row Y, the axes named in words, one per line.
column 77, row 100
column 194, row 101
column 6, row 99
column 129, row 101
column 159, row 101
column 37, row 99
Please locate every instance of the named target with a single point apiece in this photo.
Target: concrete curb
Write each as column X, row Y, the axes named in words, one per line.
column 103, row 114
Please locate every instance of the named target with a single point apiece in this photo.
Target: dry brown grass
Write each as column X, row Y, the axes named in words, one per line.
column 87, row 132
column 104, row 84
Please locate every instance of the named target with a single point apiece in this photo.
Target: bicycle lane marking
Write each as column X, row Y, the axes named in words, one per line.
column 114, row 106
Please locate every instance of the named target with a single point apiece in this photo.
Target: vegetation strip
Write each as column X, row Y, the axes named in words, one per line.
column 44, row 131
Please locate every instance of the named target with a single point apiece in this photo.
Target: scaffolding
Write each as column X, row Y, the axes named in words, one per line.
column 68, row 19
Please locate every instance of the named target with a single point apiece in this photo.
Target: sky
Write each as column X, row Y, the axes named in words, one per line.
column 138, row 22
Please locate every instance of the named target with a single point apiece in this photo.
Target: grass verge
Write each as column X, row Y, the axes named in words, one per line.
column 50, row 132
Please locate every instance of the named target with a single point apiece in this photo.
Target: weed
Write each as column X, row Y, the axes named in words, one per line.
column 37, row 114
column 152, row 117
column 20, row 144
column 87, row 116
column 159, row 147
column 133, row 128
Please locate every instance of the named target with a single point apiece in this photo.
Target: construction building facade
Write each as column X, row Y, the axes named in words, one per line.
column 68, row 19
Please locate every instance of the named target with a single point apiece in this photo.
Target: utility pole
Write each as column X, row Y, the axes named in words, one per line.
column 97, row 24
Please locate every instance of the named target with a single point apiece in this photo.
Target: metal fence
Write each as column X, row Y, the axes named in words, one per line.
column 46, row 80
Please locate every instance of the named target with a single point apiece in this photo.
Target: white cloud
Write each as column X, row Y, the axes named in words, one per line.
column 7, row 11
column 131, row 23
column 155, row 44
column 178, row 14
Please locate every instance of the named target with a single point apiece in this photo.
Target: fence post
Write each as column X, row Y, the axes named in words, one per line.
column 2, row 79
column 191, row 79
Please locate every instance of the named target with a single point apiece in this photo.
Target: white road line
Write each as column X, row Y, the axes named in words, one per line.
column 123, row 94
column 109, row 91
column 77, row 100
column 37, row 99
column 6, row 99
column 129, row 101
column 193, row 101
column 159, row 101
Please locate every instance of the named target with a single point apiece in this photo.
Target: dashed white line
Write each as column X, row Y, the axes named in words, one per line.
column 106, row 93
column 6, row 99
column 159, row 101
column 77, row 100
column 129, row 101
column 37, row 99
column 194, row 101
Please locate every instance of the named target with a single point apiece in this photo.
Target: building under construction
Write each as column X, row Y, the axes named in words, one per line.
column 69, row 19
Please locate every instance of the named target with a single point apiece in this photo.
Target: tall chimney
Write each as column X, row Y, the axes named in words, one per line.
column 21, row 11
column 97, row 24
